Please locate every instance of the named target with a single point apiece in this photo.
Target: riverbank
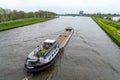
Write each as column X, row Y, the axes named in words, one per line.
column 21, row 22
column 112, row 28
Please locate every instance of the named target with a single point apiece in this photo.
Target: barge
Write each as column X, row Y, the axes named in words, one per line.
column 45, row 54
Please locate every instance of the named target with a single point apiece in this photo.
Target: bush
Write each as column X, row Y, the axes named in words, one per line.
column 118, row 20
column 109, row 18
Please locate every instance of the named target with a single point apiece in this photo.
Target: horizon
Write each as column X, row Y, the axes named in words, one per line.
column 64, row 7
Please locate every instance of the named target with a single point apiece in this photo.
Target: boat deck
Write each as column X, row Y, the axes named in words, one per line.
column 63, row 38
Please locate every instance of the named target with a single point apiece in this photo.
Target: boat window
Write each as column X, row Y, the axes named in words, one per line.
column 46, row 46
column 51, row 44
column 52, row 54
column 55, row 46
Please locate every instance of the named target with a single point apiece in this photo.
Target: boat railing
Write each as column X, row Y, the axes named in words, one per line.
column 49, row 50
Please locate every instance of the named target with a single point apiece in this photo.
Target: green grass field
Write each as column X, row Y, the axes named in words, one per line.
column 21, row 22
column 112, row 28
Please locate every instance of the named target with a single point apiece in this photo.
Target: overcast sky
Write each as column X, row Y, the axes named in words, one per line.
column 64, row 6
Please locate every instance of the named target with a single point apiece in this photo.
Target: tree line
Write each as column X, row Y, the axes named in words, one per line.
column 7, row 14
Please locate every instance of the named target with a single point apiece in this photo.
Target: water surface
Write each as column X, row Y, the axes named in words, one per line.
column 89, row 55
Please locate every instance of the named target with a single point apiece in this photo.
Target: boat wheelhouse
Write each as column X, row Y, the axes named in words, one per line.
column 42, row 54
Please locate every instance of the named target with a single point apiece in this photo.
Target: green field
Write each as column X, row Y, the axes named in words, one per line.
column 21, row 22
column 112, row 28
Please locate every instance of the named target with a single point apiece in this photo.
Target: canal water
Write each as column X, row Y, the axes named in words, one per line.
column 89, row 55
column 116, row 18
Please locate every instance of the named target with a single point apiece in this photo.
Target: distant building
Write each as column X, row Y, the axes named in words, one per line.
column 81, row 13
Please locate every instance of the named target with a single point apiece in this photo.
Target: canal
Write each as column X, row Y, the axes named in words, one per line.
column 89, row 55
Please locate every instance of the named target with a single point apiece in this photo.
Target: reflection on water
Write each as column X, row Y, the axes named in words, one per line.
column 89, row 55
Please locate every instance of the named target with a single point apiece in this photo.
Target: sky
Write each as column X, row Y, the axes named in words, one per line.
column 64, row 6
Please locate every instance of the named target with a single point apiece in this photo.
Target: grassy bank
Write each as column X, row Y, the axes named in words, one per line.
column 22, row 22
column 112, row 28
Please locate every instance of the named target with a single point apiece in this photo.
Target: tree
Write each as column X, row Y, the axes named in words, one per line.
column 7, row 14
column 119, row 20
column 109, row 18
column 21, row 14
column 29, row 15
